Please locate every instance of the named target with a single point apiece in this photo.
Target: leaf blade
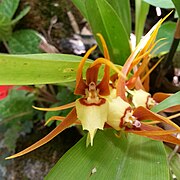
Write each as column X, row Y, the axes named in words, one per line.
column 20, row 15
column 113, row 32
column 122, row 8
column 158, row 3
column 38, row 68
column 9, row 7
column 113, row 158
column 24, row 42
column 142, row 9
column 169, row 102
column 177, row 6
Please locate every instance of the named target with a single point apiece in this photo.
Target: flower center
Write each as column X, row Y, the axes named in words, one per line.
column 129, row 120
column 92, row 94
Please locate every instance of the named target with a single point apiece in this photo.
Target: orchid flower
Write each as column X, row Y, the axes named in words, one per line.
column 130, row 114
column 137, row 86
column 99, row 107
column 91, row 110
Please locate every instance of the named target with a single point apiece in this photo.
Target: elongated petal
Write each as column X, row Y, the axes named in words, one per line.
column 59, row 118
column 67, row 106
column 80, row 84
column 140, row 57
column 105, row 49
column 149, row 71
column 142, row 113
column 108, row 63
column 103, row 86
column 149, row 130
column 69, row 120
column 92, row 74
column 159, row 97
column 142, row 47
column 156, row 133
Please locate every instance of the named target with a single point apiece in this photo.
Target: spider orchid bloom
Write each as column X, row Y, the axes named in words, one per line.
column 91, row 110
column 141, row 57
column 136, row 86
column 143, row 98
column 123, row 117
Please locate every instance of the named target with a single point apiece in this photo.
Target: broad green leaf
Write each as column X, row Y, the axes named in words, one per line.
column 103, row 19
column 166, row 31
column 24, row 42
column 17, row 105
column 5, row 27
column 21, row 15
column 80, row 4
column 131, row 157
column 177, row 6
column 174, row 162
column 169, row 102
column 9, row 7
column 38, row 68
column 142, row 9
column 122, row 8
column 167, row 4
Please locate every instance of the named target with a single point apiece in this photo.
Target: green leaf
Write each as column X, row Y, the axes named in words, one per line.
column 21, row 15
column 167, row 4
column 11, row 136
column 24, row 42
column 177, row 6
column 80, row 4
column 16, row 115
column 169, row 102
column 5, row 27
column 142, row 9
column 17, row 105
column 113, row 158
column 122, row 8
column 166, row 31
column 38, row 68
column 103, row 19
column 9, row 7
